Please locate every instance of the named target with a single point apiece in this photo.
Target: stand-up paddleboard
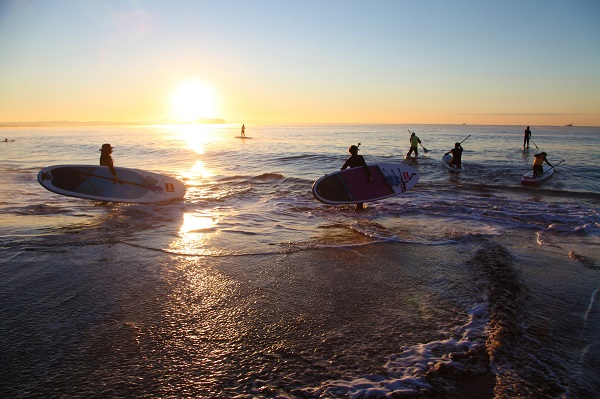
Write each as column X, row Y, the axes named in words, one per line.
column 351, row 186
column 414, row 158
column 242, row 137
column 446, row 162
column 530, row 180
column 97, row 183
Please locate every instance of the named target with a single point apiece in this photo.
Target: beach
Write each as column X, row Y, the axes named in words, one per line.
column 469, row 285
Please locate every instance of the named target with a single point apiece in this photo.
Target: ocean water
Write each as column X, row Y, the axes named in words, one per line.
column 468, row 286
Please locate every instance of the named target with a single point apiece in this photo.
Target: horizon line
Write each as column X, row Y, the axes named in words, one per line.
column 219, row 121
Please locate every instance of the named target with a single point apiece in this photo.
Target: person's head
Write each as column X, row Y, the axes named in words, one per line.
column 353, row 149
column 412, row 134
column 456, row 145
column 106, row 148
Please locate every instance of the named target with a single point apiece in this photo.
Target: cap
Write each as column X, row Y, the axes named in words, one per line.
column 106, row 147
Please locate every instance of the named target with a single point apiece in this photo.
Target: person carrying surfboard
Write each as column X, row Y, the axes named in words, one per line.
column 414, row 145
column 538, row 163
column 456, row 155
column 354, row 161
column 106, row 160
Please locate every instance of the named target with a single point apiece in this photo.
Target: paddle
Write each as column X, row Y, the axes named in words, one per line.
column 465, row 139
column 424, row 149
column 156, row 189
column 552, row 167
column 534, row 144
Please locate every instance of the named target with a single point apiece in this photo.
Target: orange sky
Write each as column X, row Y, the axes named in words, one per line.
column 311, row 62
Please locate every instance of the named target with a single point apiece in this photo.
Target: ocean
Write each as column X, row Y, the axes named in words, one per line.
column 468, row 286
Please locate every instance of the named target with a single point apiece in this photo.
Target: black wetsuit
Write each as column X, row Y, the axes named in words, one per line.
column 355, row 161
column 456, row 156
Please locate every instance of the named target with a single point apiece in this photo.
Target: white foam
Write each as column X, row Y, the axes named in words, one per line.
column 406, row 371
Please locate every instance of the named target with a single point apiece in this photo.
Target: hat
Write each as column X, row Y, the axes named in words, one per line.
column 106, row 147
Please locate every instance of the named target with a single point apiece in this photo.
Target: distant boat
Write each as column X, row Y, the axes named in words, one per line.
column 570, row 124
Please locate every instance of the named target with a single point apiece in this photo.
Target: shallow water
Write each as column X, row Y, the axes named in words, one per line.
column 252, row 288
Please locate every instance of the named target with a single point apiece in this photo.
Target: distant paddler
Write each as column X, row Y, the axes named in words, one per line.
column 414, row 145
column 526, row 138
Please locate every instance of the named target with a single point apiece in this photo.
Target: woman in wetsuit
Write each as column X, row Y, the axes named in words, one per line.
column 354, row 161
column 106, row 160
column 456, row 155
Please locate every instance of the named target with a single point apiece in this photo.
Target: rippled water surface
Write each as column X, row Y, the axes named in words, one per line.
column 469, row 284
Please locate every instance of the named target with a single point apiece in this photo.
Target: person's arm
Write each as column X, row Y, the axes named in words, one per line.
column 111, row 167
column 345, row 165
column 366, row 168
column 549, row 164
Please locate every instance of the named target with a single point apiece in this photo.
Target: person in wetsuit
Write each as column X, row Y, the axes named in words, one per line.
column 354, row 161
column 106, row 160
column 538, row 163
column 456, row 155
column 526, row 137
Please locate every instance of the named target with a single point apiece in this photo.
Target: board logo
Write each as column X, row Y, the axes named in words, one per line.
column 170, row 187
column 406, row 175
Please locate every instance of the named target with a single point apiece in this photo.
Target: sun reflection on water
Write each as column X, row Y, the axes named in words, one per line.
column 199, row 136
column 195, row 233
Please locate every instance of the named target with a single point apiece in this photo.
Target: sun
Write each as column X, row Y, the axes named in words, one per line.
column 192, row 100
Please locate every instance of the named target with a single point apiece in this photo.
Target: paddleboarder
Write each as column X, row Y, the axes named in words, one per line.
column 456, row 155
column 538, row 163
column 106, row 160
column 354, row 161
column 414, row 145
column 526, row 137
column 243, row 132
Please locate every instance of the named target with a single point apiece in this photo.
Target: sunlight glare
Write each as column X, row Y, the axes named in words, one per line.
column 195, row 233
column 192, row 100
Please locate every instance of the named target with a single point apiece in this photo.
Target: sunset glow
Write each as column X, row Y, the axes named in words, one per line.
column 149, row 61
column 192, row 100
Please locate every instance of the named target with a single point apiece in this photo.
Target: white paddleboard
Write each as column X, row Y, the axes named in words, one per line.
column 446, row 162
column 242, row 137
column 530, row 180
column 97, row 183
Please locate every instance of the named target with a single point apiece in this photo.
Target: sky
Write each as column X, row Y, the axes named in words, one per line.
column 523, row 62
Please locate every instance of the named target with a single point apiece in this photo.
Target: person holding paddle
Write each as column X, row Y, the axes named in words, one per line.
column 538, row 163
column 456, row 155
column 526, row 137
column 106, row 160
column 414, row 145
